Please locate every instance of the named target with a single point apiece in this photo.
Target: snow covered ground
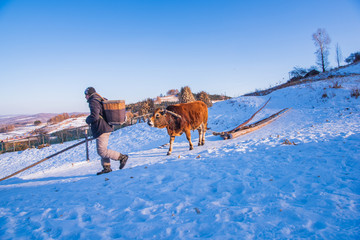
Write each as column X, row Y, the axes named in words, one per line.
column 251, row 187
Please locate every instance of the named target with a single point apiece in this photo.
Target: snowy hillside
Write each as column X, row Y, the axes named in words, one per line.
column 27, row 129
column 251, row 187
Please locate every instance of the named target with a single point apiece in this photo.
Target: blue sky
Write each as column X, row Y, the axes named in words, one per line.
column 50, row 51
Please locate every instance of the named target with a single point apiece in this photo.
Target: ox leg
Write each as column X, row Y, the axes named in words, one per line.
column 172, row 138
column 188, row 136
column 203, row 133
column 202, row 130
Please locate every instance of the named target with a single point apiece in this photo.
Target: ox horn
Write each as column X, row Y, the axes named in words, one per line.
column 172, row 113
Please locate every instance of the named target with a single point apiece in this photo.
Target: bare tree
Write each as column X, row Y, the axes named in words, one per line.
column 339, row 57
column 322, row 41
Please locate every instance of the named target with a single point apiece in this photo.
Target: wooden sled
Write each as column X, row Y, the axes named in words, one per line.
column 244, row 129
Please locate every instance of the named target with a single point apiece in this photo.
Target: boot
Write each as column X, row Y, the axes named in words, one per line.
column 123, row 159
column 106, row 169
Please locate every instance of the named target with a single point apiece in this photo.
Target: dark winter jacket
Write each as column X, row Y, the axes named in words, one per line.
column 96, row 117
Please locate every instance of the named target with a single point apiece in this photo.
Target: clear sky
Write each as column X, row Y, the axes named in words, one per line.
column 50, row 51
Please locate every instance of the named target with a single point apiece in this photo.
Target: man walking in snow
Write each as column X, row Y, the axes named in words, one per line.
column 101, row 130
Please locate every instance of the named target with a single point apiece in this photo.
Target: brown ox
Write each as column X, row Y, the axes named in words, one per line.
column 180, row 118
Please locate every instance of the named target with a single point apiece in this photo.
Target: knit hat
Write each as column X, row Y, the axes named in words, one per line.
column 89, row 91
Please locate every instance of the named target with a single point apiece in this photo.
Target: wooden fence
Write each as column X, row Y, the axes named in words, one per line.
column 44, row 140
